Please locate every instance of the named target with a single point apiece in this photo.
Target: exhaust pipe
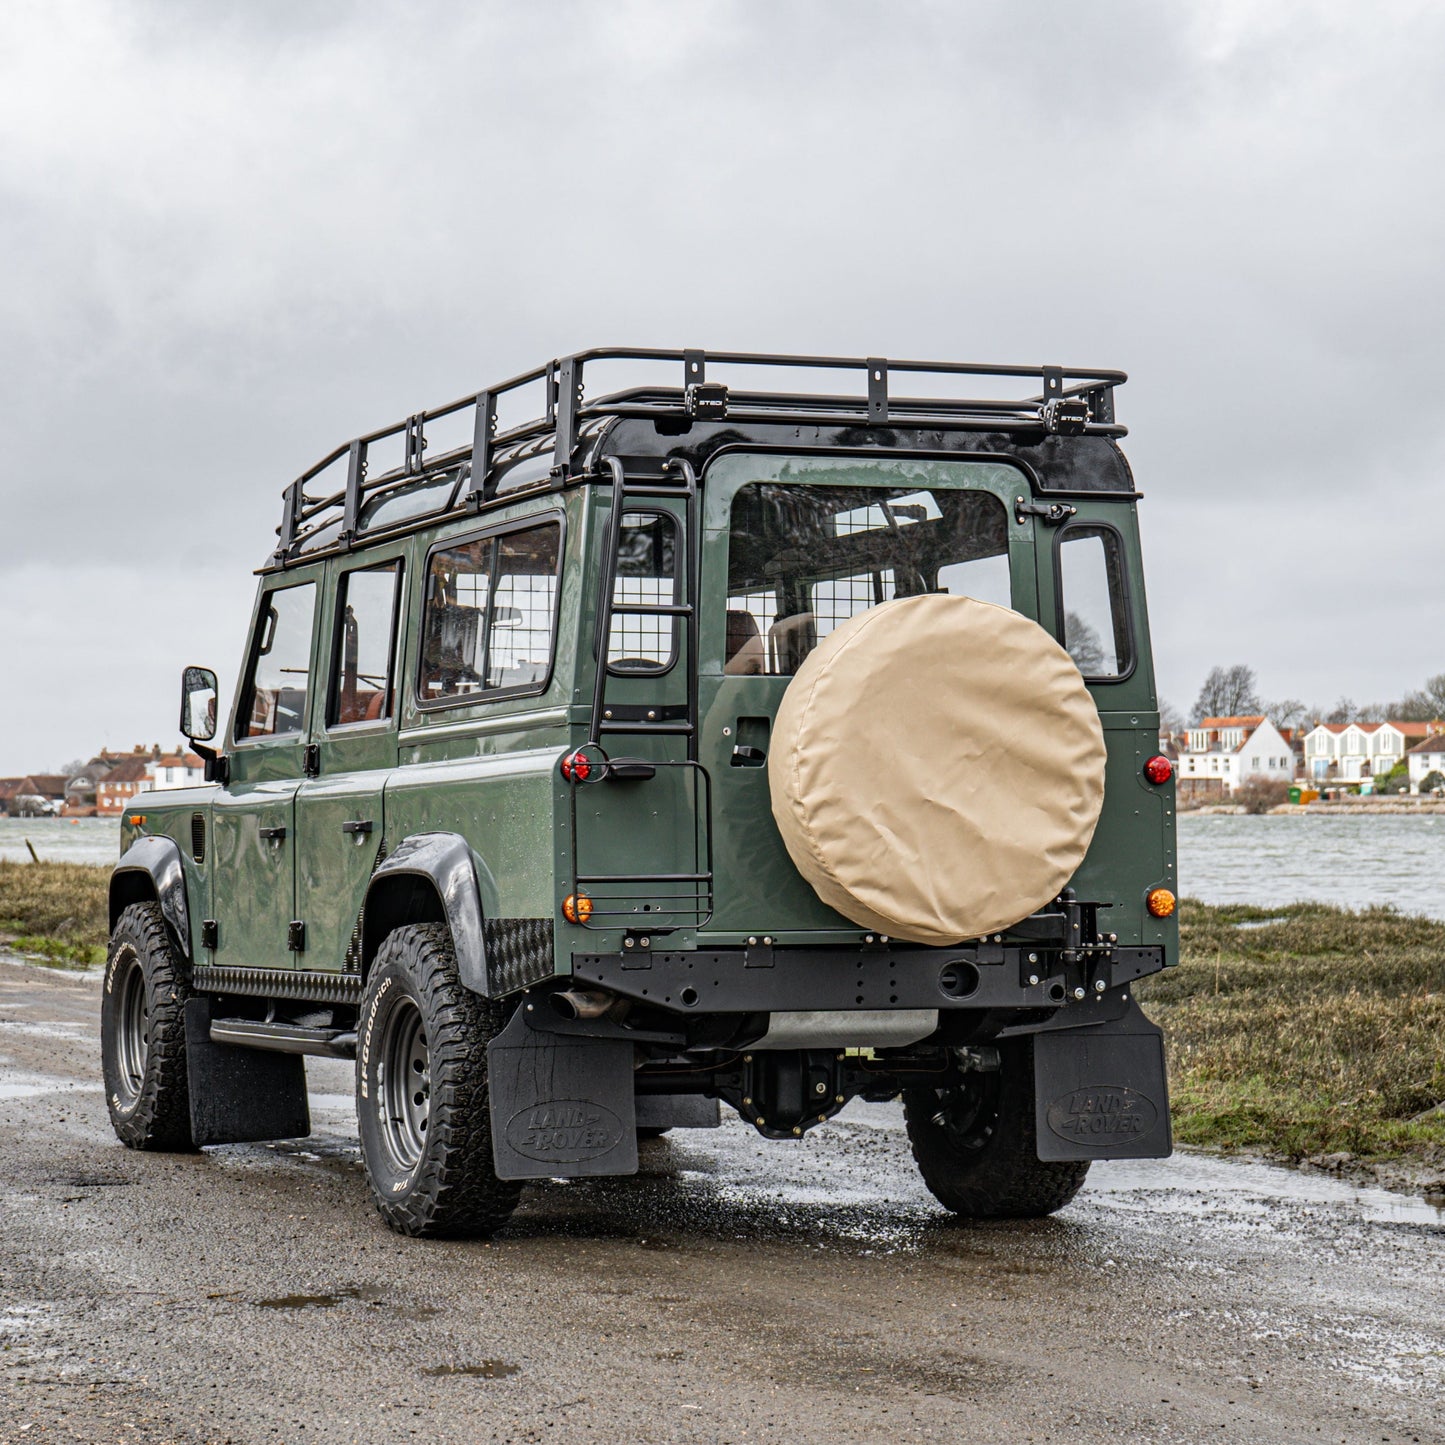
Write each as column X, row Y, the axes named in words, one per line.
column 583, row 1003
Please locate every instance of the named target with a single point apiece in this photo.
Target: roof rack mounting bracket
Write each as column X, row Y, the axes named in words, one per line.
column 694, row 368
column 483, row 433
column 355, row 474
column 565, row 388
column 877, row 391
column 415, row 443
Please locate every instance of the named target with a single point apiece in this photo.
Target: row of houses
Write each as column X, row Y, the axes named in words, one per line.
column 103, row 787
column 1220, row 754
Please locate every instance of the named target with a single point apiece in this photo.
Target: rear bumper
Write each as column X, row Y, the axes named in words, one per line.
column 785, row 979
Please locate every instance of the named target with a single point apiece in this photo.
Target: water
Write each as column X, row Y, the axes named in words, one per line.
column 1353, row 861
column 61, row 840
column 1324, row 858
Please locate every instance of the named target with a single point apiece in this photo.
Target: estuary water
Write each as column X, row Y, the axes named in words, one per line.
column 1352, row 861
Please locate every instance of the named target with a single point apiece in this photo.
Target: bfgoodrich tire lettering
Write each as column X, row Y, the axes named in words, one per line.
column 975, row 1144
column 422, row 1103
column 143, row 1034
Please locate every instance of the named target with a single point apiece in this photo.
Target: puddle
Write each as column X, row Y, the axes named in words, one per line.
column 486, row 1370
column 70, row 1032
column 31, row 1086
column 1201, row 1184
column 365, row 1294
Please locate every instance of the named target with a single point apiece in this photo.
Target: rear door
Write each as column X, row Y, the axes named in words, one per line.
column 339, row 811
column 792, row 547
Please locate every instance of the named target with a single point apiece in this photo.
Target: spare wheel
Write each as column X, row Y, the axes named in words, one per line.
column 937, row 768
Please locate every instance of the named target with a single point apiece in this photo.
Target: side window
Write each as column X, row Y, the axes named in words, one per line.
column 365, row 646
column 490, row 614
column 279, row 681
column 647, row 558
column 1094, row 601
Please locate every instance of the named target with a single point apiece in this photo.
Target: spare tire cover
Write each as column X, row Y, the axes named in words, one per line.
column 937, row 768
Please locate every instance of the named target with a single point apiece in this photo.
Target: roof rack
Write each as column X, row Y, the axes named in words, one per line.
column 1068, row 400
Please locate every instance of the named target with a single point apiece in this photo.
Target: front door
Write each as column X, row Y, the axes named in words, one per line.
column 253, row 895
column 339, row 811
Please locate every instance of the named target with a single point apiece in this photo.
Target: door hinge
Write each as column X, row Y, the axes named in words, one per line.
column 210, row 934
column 311, row 760
column 296, row 936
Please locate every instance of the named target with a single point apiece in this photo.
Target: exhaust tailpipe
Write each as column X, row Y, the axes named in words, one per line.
column 583, row 1003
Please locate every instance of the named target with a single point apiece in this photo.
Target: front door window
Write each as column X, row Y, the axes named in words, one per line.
column 279, row 679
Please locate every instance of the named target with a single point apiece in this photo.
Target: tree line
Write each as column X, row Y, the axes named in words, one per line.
column 1234, row 692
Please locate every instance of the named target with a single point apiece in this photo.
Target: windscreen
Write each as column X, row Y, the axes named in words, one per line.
column 805, row 555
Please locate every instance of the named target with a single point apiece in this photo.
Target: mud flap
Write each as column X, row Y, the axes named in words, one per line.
column 239, row 1095
column 1100, row 1092
column 562, row 1105
column 677, row 1111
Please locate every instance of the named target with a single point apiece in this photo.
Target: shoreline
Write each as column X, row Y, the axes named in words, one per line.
column 1337, row 809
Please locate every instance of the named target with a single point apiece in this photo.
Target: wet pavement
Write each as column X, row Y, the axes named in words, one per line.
column 735, row 1290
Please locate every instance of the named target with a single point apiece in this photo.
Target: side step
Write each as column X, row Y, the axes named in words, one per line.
column 284, row 1038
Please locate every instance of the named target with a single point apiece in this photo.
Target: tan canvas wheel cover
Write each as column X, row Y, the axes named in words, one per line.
column 937, row 768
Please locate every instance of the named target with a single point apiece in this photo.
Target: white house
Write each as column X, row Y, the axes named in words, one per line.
column 176, row 770
column 1220, row 753
column 1426, row 758
column 1348, row 752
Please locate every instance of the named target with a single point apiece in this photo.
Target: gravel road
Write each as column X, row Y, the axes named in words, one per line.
column 733, row 1291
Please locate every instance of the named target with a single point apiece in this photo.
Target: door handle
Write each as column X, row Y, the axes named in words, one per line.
column 274, row 834
column 357, row 825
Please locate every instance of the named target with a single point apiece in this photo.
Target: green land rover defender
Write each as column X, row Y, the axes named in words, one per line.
column 750, row 732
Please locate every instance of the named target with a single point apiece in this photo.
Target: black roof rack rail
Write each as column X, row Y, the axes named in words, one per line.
column 1062, row 399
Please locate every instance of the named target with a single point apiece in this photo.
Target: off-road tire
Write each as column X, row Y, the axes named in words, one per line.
column 983, row 1161
column 143, row 1034
column 436, row 1178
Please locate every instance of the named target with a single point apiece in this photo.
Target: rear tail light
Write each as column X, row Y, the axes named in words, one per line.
column 577, row 908
column 577, row 767
column 1160, row 902
column 1158, row 769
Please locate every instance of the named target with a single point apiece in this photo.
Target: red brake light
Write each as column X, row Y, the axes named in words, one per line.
column 576, row 767
column 1158, row 769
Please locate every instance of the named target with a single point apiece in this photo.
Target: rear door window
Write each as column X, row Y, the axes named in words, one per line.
column 365, row 646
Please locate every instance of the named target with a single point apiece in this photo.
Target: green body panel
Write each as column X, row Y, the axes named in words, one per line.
column 487, row 769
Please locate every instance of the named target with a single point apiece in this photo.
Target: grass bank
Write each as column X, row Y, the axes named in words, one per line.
column 1306, row 1030
column 1295, row 1031
column 54, row 910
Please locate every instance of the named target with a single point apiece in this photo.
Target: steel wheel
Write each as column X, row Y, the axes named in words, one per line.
column 405, row 1093
column 133, row 1019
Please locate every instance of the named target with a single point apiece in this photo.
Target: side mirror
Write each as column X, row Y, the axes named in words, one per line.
column 198, row 704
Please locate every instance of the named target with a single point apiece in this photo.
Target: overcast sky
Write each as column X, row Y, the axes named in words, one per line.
column 232, row 235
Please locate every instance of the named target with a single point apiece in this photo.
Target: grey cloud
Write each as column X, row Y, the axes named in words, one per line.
column 234, row 235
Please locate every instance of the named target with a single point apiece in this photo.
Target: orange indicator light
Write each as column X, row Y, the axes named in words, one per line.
column 1160, row 902
column 136, row 819
column 577, row 908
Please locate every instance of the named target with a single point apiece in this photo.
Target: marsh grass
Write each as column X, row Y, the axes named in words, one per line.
column 55, row 911
column 1308, row 1030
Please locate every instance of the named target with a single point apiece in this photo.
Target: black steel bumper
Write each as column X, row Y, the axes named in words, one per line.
column 765, row 978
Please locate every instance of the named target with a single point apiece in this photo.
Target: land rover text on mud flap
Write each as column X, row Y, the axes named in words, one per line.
column 691, row 741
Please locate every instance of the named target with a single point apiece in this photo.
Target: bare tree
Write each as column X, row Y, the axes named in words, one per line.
column 1289, row 712
column 1169, row 719
column 1228, row 692
column 1426, row 705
